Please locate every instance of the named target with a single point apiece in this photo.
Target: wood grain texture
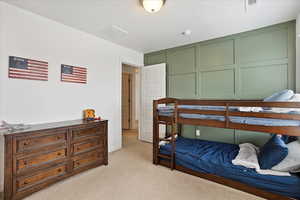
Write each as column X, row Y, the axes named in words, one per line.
column 24, row 182
column 35, row 160
column 126, row 100
column 24, row 144
column 88, row 145
column 87, row 159
column 85, row 132
column 8, row 162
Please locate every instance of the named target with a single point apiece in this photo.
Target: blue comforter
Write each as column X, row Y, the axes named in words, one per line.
column 215, row 158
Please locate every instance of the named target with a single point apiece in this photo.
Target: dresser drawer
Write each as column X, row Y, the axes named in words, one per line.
column 40, row 140
column 40, row 177
column 87, row 145
column 40, row 159
column 48, row 153
column 87, row 131
column 87, row 159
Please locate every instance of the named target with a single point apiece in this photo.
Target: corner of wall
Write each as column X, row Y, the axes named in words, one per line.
column 298, row 54
column 2, row 60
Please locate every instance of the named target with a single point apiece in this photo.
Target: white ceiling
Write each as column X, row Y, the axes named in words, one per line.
column 206, row 19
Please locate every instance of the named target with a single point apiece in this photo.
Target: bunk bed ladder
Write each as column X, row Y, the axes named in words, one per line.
column 172, row 164
column 155, row 133
column 173, row 139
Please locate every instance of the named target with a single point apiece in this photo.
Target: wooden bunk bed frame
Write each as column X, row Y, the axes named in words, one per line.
column 176, row 122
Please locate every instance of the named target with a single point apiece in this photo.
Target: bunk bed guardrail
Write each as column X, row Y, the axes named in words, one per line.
column 227, row 113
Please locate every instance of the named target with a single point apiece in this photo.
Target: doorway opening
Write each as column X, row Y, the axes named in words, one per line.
column 130, row 102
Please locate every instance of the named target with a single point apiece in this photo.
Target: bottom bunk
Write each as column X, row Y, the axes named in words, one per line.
column 215, row 160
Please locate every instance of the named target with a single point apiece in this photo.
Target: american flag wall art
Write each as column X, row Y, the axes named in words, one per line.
column 23, row 68
column 73, row 74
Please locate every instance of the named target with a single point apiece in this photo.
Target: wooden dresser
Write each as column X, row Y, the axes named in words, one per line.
column 44, row 154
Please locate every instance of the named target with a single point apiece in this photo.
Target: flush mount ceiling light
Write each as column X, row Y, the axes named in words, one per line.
column 153, row 6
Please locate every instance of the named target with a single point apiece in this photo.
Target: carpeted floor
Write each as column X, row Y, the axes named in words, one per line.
column 132, row 176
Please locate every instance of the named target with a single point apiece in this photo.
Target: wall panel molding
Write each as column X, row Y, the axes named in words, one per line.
column 249, row 65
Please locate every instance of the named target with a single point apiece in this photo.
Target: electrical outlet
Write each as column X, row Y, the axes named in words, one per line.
column 198, row 133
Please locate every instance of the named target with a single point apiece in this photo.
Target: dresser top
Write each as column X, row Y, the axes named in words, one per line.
column 53, row 125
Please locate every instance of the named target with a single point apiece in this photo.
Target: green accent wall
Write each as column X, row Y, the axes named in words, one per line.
column 249, row 65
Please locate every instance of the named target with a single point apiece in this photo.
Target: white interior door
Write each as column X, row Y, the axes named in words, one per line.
column 153, row 86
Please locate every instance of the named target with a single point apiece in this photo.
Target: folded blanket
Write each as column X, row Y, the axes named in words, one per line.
column 247, row 157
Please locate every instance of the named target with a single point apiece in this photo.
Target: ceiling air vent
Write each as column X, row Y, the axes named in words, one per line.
column 118, row 32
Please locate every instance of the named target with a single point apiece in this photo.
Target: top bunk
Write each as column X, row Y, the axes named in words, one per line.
column 252, row 115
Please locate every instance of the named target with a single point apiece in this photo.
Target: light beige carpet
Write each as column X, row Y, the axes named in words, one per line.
column 132, row 176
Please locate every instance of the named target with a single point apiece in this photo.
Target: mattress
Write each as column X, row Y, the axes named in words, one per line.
column 169, row 111
column 215, row 158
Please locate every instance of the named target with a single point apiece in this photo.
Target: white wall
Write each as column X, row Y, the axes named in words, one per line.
column 29, row 35
column 298, row 54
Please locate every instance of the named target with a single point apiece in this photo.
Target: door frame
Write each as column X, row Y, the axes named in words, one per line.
column 124, row 61
column 130, row 99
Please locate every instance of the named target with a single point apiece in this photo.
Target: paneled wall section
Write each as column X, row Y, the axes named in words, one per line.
column 250, row 65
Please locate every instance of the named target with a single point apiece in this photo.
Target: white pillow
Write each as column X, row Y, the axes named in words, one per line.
column 250, row 109
column 291, row 163
column 295, row 98
column 247, row 157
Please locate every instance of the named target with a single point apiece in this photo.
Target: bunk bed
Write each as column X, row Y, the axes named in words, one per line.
column 213, row 160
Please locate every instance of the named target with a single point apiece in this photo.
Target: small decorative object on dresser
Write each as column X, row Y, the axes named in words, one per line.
column 47, row 153
column 89, row 114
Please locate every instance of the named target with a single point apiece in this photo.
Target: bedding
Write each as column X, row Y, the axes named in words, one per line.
column 283, row 95
column 216, row 158
column 247, row 157
column 169, row 111
column 292, row 161
column 295, row 98
column 272, row 153
column 194, row 107
column 288, row 139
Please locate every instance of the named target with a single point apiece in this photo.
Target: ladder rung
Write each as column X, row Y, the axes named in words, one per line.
column 166, row 123
column 165, row 139
column 164, row 156
column 175, row 135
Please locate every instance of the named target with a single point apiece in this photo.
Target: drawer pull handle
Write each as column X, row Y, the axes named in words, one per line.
column 59, row 170
column 59, row 154
column 25, row 182
column 25, row 143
